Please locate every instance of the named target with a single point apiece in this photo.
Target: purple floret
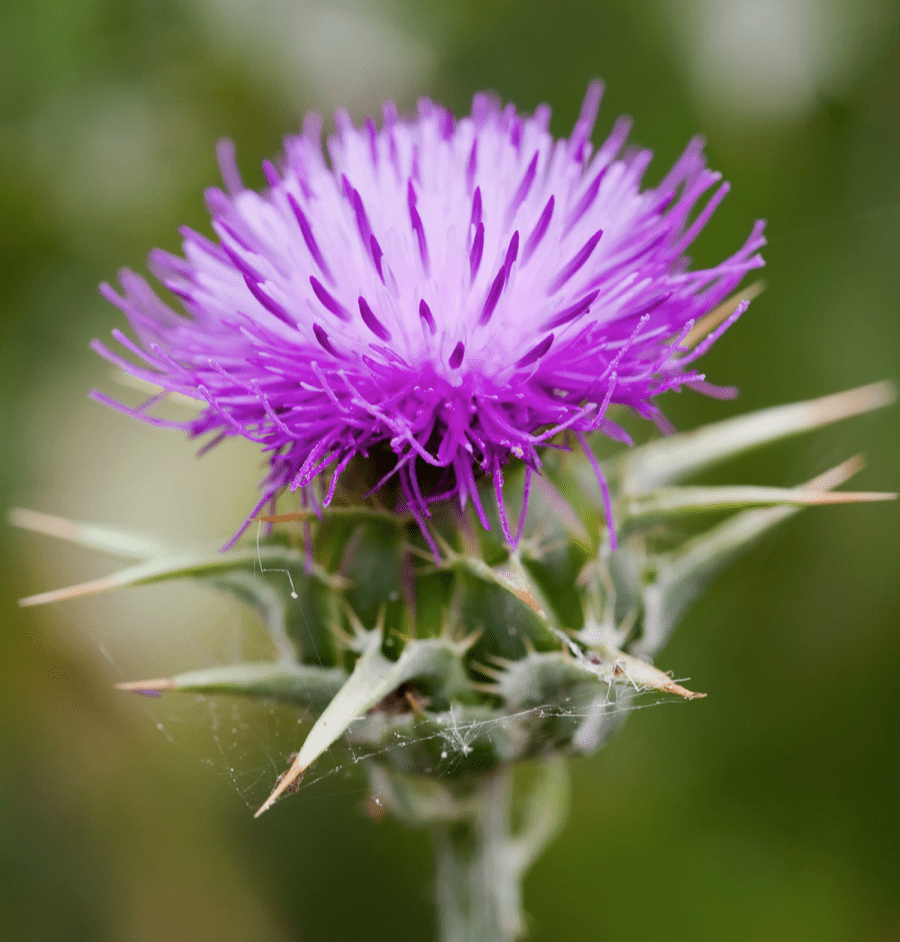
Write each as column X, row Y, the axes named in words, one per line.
column 459, row 292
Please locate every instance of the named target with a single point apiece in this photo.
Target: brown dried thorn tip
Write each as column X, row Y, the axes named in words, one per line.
column 287, row 783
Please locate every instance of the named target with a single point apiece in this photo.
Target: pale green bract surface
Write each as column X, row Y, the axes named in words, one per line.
column 498, row 655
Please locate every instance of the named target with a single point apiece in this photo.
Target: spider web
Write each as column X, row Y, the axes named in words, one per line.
column 250, row 743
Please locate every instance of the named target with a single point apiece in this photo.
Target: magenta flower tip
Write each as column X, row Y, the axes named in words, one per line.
column 456, row 291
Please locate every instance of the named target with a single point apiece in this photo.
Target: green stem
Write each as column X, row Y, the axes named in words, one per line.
column 481, row 861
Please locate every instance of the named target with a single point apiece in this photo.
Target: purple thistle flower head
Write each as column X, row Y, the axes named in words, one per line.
column 452, row 294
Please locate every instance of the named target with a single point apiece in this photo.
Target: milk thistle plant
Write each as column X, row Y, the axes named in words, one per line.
column 430, row 332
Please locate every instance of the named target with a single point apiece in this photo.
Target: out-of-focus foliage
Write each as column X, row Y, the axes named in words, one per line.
column 767, row 809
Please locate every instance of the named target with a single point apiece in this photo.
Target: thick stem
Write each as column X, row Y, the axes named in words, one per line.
column 478, row 878
column 481, row 862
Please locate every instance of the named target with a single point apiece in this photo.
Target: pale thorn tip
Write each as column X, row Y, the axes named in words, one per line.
column 717, row 315
column 683, row 691
column 288, row 782
column 147, row 686
column 846, row 497
column 492, row 672
column 836, row 476
column 642, row 675
column 856, row 401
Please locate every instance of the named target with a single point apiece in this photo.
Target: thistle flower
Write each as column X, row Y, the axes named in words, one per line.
column 445, row 294
column 431, row 307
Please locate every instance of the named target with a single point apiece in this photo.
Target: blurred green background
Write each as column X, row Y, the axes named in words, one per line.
column 767, row 811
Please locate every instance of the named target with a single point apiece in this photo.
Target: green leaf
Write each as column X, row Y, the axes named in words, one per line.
column 666, row 502
column 298, row 613
column 110, row 540
column 669, row 460
column 374, row 677
column 682, row 574
column 207, row 563
column 304, row 685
